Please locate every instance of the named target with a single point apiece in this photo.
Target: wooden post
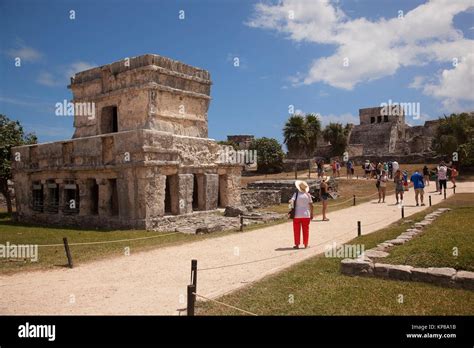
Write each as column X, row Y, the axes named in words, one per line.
column 194, row 273
column 68, row 253
column 241, row 223
column 444, row 193
column 430, row 200
column 403, row 212
column 354, row 200
column 191, row 299
column 454, row 189
column 359, row 229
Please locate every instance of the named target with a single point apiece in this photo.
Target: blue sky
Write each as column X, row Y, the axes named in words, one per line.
column 291, row 52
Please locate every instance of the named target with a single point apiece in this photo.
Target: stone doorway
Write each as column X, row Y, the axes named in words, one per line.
column 109, row 120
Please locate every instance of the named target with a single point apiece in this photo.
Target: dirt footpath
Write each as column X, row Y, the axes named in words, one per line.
column 154, row 282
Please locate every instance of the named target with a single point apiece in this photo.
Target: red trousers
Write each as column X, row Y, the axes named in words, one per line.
column 304, row 223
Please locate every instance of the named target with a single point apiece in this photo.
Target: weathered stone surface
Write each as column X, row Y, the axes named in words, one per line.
column 465, row 279
column 260, row 198
column 443, row 209
column 397, row 241
column 356, row 267
column 383, row 246
column 371, row 253
column 233, row 211
column 400, row 272
column 441, row 275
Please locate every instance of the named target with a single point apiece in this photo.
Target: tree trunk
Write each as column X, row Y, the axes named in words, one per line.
column 6, row 193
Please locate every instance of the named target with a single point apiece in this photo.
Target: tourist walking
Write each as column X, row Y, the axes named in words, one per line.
column 338, row 168
column 454, row 175
column 324, row 194
column 419, row 186
column 395, row 167
column 442, row 177
column 366, row 167
column 426, row 175
column 349, row 169
column 320, row 165
column 399, row 189
column 382, row 185
column 302, row 211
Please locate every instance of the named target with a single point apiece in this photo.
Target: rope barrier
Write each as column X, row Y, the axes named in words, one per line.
column 226, row 305
column 109, row 241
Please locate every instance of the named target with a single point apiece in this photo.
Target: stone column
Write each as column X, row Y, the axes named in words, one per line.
column 233, row 190
column 211, row 182
column 85, row 198
column 61, row 201
column 223, row 192
column 155, row 196
column 185, row 193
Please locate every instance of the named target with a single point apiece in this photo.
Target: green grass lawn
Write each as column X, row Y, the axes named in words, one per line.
column 52, row 257
column 318, row 288
column 434, row 248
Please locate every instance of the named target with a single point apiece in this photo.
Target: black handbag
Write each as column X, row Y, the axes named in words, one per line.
column 291, row 214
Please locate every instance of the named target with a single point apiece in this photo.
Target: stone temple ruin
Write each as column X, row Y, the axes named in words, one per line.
column 144, row 153
column 387, row 135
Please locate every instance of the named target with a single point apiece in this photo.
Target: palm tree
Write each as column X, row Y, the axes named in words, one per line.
column 336, row 134
column 313, row 132
column 294, row 134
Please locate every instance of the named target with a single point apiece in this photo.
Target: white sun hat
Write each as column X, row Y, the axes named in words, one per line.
column 302, row 186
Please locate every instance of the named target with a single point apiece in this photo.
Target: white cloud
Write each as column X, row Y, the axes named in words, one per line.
column 47, row 79
column 26, row 53
column 371, row 49
column 61, row 76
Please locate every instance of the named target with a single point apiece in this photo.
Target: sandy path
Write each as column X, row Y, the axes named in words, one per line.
column 154, row 282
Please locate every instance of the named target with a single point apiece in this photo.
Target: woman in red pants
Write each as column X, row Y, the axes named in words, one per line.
column 303, row 204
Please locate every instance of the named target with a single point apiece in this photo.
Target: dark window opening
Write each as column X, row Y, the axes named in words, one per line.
column 379, row 119
column 168, row 196
column 385, row 118
column 94, row 196
column 372, row 120
column 38, row 197
column 71, row 198
column 109, row 120
column 114, row 205
column 195, row 193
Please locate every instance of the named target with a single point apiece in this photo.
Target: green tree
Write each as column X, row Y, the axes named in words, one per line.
column 269, row 155
column 294, row 135
column 313, row 132
column 11, row 134
column 455, row 133
column 336, row 134
column 228, row 143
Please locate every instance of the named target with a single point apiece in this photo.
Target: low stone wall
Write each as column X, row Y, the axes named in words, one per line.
column 443, row 276
column 260, row 198
column 287, row 187
column 208, row 222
